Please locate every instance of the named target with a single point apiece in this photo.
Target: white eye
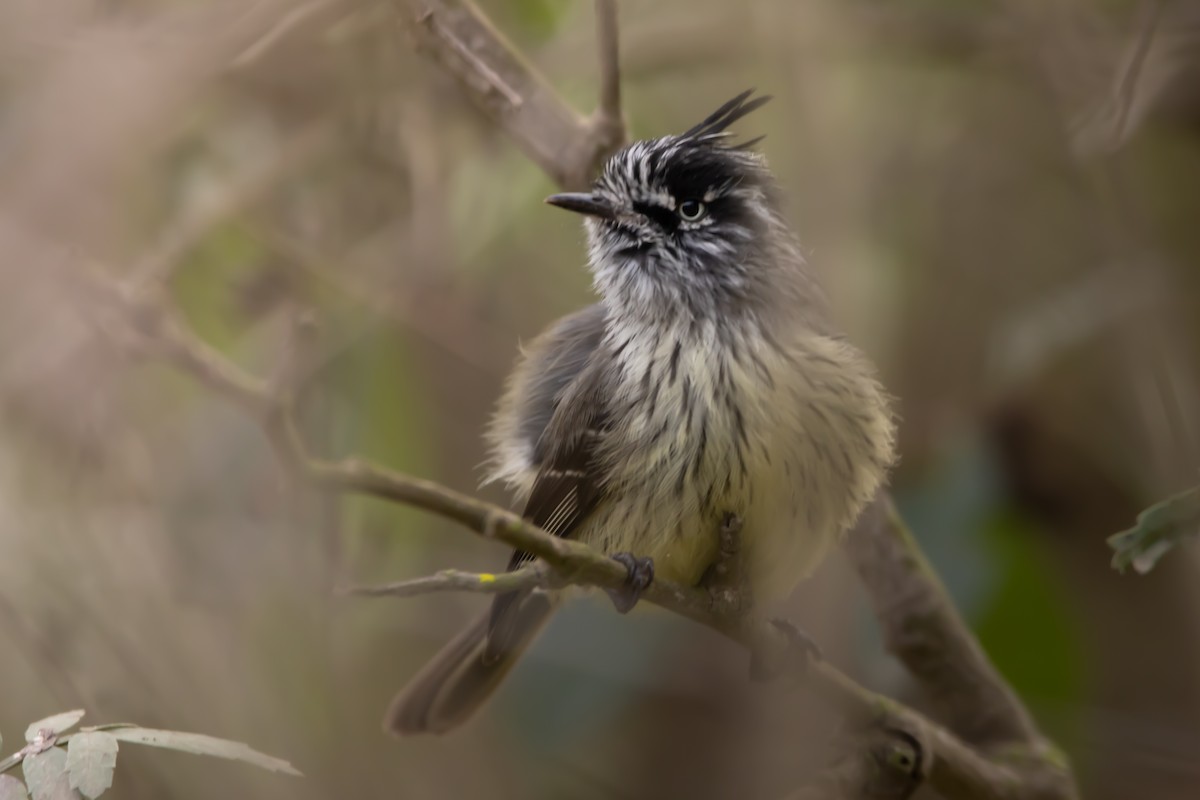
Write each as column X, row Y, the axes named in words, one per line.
column 691, row 210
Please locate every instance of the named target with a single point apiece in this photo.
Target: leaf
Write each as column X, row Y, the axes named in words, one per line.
column 91, row 758
column 202, row 745
column 46, row 775
column 57, row 723
column 1159, row 528
column 12, row 789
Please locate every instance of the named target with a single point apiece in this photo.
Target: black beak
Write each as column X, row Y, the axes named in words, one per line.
column 582, row 203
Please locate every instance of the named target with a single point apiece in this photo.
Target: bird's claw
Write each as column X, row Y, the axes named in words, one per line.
column 641, row 575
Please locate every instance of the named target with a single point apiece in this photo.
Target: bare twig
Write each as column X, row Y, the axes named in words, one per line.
column 608, row 123
column 288, row 22
column 453, row 580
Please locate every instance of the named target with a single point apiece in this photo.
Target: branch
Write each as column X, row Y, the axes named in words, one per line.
column 608, row 123
column 922, row 628
column 453, row 580
column 568, row 147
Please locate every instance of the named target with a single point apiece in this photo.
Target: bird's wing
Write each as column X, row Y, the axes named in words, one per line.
column 569, row 482
column 554, row 360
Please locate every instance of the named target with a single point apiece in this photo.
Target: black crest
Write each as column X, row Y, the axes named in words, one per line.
column 715, row 125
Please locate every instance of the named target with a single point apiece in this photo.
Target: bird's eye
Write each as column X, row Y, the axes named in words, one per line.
column 691, row 210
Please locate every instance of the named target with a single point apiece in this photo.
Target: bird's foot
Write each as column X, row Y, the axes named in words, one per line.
column 799, row 651
column 641, row 575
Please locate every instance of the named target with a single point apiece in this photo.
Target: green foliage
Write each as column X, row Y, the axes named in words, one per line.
column 528, row 21
column 207, row 287
column 1159, row 528
column 1027, row 627
column 81, row 764
column 201, row 745
column 46, row 775
column 55, row 724
column 91, row 759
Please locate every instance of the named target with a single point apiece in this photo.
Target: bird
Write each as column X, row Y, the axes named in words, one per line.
column 708, row 384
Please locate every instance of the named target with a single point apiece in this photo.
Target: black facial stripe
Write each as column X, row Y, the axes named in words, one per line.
column 666, row 218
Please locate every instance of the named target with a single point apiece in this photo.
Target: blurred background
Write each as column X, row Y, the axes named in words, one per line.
column 1002, row 198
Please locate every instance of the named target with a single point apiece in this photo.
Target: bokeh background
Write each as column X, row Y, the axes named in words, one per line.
column 1002, row 198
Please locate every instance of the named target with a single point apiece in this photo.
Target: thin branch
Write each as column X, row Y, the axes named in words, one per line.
column 454, row 580
column 288, row 22
column 608, row 123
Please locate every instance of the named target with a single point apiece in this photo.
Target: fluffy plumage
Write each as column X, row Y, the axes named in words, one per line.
column 708, row 380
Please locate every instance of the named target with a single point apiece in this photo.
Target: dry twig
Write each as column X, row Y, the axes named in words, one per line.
column 504, row 86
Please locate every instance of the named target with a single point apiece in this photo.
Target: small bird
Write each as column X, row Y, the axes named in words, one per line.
column 706, row 385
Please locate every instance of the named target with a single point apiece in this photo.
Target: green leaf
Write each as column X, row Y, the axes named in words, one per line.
column 202, row 745
column 1159, row 528
column 12, row 789
column 46, row 775
column 56, row 724
column 91, row 758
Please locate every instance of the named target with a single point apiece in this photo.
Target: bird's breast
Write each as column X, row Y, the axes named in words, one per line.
column 793, row 438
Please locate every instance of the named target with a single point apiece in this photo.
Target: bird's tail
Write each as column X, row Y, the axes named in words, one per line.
column 464, row 673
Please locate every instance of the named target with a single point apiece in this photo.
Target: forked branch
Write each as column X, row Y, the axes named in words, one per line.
column 567, row 146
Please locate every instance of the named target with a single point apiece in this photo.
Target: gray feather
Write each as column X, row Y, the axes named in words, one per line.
column 569, row 344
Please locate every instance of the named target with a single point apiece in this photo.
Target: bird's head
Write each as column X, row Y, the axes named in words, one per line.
column 686, row 222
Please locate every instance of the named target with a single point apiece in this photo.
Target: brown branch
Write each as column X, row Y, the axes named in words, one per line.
column 608, row 123
column 514, row 95
column 922, row 628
